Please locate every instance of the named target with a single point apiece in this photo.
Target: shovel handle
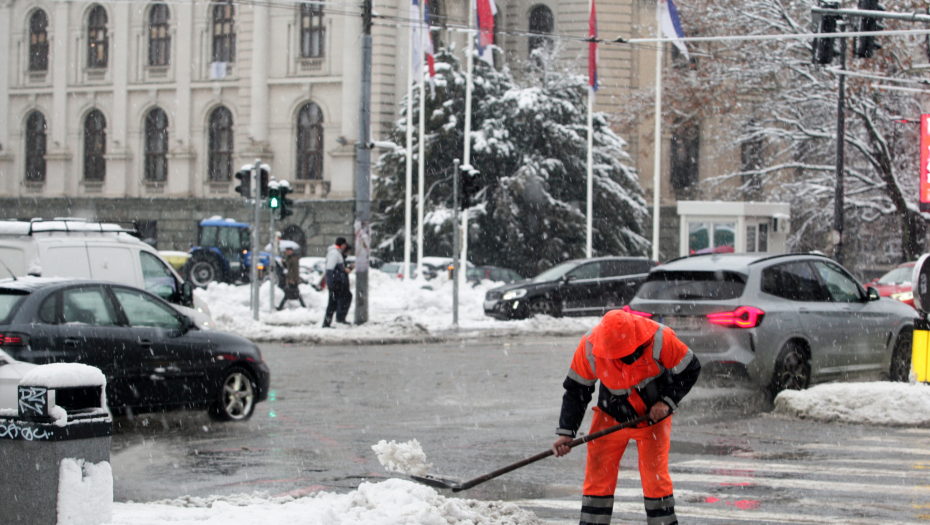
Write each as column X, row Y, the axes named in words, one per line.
column 542, row 455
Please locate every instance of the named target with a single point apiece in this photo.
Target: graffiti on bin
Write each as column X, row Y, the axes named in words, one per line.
column 32, row 401
column 11, row 430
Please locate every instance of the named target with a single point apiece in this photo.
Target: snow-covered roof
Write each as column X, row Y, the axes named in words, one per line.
column 63, row 225
column 224, row 223
column 30, row 284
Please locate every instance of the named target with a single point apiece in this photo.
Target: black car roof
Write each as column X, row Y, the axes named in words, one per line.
column 32, row 284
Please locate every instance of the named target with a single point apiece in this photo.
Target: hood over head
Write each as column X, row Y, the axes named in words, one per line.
column 620, row 333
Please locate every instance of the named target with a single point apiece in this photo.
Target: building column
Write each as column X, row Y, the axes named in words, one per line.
column 182, row 170
column 7, row 153
column 258, row 125
column 122, row 180
column 59, row 178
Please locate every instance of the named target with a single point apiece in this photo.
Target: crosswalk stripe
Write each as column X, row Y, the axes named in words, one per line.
column 727, row 514
column 855, row 448
column 758, row 468
column 833, row 486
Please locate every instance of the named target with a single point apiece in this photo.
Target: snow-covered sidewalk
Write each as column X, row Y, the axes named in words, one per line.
column 399, row 311
column 879, row 403
column 390, row 502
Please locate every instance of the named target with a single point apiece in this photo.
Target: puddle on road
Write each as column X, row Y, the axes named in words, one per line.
column 724, row 449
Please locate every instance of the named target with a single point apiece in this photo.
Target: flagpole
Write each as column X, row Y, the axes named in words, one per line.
column 590, row 219
column 469, row 70
column 408, row 192
column 657, row 161
column 422, row 159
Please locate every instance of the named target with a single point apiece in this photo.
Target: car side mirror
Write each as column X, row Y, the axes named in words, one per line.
column 187, row 294
column 873, row 293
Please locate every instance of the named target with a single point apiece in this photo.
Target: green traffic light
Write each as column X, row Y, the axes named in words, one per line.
column 273, row 202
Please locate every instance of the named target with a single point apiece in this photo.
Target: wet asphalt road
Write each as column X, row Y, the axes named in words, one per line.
column 476, row 406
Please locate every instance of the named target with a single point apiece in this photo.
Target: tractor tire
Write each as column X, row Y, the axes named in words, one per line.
column 205, row 267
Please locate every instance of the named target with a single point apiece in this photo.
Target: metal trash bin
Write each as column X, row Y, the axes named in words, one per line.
column 61, row 429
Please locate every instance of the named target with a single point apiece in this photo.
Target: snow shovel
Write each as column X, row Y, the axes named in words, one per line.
column 455, row 486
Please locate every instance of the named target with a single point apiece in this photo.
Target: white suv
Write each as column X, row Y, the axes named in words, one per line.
column 76, row 248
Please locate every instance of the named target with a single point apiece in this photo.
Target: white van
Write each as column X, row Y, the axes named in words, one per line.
column 80, row 249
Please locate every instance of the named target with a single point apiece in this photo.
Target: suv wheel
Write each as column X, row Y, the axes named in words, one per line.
column 205, row 268
column 236, row 399
column 792, row 369
column 543, row 306
column 901, row 356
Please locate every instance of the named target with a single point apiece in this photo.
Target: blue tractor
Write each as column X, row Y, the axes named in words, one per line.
column 222, row 254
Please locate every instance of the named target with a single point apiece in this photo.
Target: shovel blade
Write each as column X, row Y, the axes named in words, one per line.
column 439, row 483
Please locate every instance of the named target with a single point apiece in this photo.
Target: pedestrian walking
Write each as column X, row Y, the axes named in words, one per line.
column 292, row 279
column 643, row 369
column 337, row 282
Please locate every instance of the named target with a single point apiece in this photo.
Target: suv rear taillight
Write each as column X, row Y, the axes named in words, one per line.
column 629, row 310
column 14, row 340
column 742, row 317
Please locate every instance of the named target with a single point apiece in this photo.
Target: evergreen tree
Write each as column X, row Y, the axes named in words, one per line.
column 529, row 145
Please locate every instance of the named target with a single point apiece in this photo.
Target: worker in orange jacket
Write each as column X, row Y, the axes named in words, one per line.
column 643, row 369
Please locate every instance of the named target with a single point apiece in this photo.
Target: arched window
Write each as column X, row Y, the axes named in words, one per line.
column 312, row 31
column 95, row 146
column 221, row 144
column 38, row 41
column 224, row 34
column 156, row 146
column 541, row 23
column 35, row 147
column 97, row 38
column 159, row 39
column 310, row 143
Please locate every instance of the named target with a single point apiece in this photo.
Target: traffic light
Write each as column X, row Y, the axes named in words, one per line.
column 244, row 175
column 824, row 50
column 264, row 175
column 284, row 189
column 274, row 199
column 866, row 45
column 470, row 189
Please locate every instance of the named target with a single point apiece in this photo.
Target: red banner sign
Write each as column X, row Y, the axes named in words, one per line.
column 925, row 163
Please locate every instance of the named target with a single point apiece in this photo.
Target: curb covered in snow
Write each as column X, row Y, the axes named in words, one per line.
column 878, row 403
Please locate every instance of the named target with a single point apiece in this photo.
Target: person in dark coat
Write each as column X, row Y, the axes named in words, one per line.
column 292, row 279
column 337, row 282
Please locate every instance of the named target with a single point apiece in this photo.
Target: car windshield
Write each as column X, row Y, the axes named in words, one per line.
column 391, row 268
column 897, row 276
column 556, row 272
column 708, row 286
column 9, row 300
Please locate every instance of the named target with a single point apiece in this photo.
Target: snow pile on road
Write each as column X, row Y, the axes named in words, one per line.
column 64, row 375
column 391, row 502
column 399, row 311
column 879, row 403
column 406, row 458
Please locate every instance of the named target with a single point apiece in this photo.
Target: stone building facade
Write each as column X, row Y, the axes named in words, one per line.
column 112, row 105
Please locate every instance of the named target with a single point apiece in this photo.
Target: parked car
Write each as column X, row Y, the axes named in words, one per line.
column 788, row 320
column 896, row 283
column 492, row 273
column 373, row 262
column 579, row 287
column 154, row 358
column 80, row 249
column 11, row 372
column 396, row 270
column 312, row 269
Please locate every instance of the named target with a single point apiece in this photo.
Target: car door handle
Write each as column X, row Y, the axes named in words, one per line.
column 803, row 311
column 631, row 283
column 145, row 343
column 71, row 342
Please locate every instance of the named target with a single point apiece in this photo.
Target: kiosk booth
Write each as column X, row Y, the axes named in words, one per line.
column 728, row 227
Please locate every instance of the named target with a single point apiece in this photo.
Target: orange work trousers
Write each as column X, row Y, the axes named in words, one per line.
column 604, row 454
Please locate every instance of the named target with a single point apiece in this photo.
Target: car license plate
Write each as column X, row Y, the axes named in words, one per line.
column 682, row 322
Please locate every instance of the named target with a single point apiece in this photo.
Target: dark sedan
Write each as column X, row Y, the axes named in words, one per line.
column 578, row 287
column 154, row 358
